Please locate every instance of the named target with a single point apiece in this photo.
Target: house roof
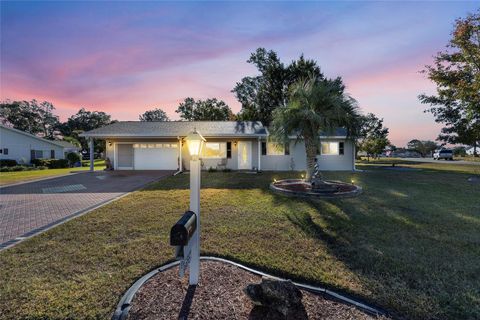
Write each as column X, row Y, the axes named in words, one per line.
column 56, row 143
column 66, row 144
column 178, row 129
column 336, row 133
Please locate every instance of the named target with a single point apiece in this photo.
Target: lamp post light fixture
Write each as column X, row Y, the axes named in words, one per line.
column 195, row 143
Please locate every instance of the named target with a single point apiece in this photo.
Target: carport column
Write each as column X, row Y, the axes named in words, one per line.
column 91, row 154
column 180, row 165
column 259, row 152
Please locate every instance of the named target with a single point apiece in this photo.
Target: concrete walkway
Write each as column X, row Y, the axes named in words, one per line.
column 30, row 208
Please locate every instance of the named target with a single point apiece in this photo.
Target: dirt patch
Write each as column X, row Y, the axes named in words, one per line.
column 219, row 296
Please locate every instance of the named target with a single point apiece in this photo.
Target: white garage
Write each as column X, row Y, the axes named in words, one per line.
column 155, row 156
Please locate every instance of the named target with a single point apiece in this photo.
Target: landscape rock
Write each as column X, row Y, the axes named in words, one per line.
column 276, row 299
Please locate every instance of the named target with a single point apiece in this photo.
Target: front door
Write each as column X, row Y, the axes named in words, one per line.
column 245, row 155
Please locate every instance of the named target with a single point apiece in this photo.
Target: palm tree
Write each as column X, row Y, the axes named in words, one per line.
column 315, row 106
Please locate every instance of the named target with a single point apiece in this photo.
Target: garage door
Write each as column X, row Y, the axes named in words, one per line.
column 155, row 156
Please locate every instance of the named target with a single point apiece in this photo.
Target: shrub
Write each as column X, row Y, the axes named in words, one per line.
column 227, row 170
column 37, row 162
column 72, row 158
column 211, row 169
column 8, row 163
column 50, row 163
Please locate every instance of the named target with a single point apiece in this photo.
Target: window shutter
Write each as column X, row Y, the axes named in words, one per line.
column 287, row 148
column 341, row 148
column 229, row 149
column 52, row 154
column 264, row 148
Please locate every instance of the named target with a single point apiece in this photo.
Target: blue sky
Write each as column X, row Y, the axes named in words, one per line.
column 127, row 57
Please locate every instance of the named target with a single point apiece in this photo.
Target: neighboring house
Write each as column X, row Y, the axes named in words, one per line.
column 236, row 145
column 23, row 147
column 68, row 147
column 470, row 151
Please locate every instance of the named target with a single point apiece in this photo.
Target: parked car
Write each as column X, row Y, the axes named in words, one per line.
column 443, row 154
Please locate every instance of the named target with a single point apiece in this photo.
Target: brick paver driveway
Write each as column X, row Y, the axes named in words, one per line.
column 29, row 208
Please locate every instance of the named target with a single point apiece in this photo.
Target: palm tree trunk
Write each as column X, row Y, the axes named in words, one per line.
column 311, row 152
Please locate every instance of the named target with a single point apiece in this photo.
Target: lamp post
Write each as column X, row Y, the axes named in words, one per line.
column 195, row 143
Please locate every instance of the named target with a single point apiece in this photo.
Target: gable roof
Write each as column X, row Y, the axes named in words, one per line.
column 66, row 144
column 56, row 143
column 178, row 129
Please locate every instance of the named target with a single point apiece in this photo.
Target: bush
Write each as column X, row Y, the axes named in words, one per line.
column 211, row 169
column 12, row 169
column 37, row 162
column 73, row 158
column 50, row 163
column 8, row 163
column 21, row 168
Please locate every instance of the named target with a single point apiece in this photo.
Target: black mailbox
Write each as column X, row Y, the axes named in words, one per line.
column 183, row 230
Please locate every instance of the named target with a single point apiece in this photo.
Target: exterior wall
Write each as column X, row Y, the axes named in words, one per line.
column 268, row 162
column 298, row 161
column 232, row 163
column 19, row 146
column 338, row 162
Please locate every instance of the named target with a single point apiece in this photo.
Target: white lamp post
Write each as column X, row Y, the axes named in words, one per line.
column 195, row 143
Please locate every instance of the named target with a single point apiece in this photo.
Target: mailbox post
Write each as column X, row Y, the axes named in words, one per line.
column 195, row 143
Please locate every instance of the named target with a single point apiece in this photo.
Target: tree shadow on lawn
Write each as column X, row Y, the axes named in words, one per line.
column 395, row 250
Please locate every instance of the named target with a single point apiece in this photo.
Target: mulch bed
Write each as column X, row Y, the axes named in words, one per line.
column 219, row 295
column 306, row 187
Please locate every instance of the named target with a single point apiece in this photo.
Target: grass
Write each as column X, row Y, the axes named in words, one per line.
column 468, row 158
column 22, row 176
column 410, row 243
column 441, row 165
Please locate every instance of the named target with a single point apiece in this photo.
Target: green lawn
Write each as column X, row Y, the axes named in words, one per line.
column 22, row 176
column 435, row 166
column 410, row 243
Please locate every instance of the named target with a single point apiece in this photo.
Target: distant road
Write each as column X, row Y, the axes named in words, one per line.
column 441, row 161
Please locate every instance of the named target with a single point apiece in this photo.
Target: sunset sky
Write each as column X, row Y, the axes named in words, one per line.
column 127, row 57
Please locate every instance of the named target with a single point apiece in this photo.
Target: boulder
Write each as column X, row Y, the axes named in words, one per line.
column 276, row 299
column 319, row 185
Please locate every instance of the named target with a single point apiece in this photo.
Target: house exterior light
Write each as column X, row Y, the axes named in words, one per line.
column 195, row 142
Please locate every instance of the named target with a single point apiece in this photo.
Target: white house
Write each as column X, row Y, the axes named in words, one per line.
column 470, row 151
column 236, row 145
column 23, row 147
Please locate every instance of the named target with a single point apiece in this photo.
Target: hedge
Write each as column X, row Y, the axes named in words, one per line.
column 8, row 163
column 50, row 163
column 21, row 168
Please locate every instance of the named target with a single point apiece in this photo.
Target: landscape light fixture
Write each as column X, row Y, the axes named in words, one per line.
column 195, row 143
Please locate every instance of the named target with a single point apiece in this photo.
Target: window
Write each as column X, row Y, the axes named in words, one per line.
column 341, row 148
column 215, row 150
column 52, row 154
column 264, row 148
column 5, row 150
column 330, row 148
column 1, row 151
column 34, row 154
column 274, row 149
column 229, row 150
